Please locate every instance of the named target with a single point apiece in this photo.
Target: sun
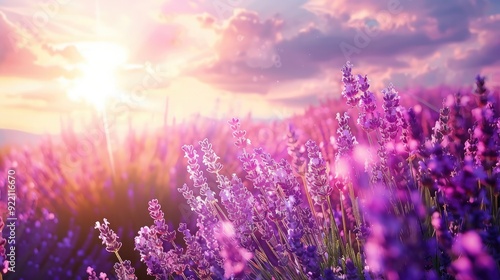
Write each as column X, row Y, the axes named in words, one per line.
column 98, row 80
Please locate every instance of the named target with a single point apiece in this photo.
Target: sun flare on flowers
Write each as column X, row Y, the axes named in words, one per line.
column 98, row 82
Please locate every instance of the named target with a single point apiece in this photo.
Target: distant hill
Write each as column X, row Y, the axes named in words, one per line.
column 16, row 137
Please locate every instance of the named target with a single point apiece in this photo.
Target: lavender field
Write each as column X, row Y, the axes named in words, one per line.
column 361, row 187
column 210, row 139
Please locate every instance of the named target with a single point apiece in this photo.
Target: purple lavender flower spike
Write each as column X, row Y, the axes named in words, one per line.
column 209, row 157
column 346, row 141
column 241, row 140
column 442, row 129
column 482, row 91
column 152, row 254
column 196, row 174
column 351, row 89
column 125, row 271
column 317, row 177
column 159, row 222
column 298, row 158
column 108, row 237
column 391, row 123
column 307, row 256
column 368, row 118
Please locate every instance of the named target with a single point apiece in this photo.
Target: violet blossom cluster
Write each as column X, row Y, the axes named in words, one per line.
column 123, row 269
column 351, row 87
column 369, row 118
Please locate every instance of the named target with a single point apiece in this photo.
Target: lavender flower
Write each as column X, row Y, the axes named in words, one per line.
column 443, row 235
column 351, row 88
column 351, row 271
column 3, row 241
column 306, row 255
column 442, row 129
column 92, row 273
column 209, row 157
column 472, row 261
column 294, row 150
column 108, row 237
column 235, row 257
column 345, row 146
column 241, row 140
column 346, row 140
column 415, row 129
column 317, row 177
column 470, row 146
column 368, row 118
column 93, row 276
column 125, row 271
column 481, row 91
column 194, row 168
column 391, row 123
column 240, row 208
column 152, row 254
column 395, row 242
column 160, row 226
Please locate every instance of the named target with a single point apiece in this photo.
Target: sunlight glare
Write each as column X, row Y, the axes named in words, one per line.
column 98, row 82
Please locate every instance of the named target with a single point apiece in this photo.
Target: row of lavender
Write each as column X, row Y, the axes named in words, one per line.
column 63, row 184
column 402, row 205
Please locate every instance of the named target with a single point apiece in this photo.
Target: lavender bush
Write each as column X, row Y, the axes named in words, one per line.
column 391, row 197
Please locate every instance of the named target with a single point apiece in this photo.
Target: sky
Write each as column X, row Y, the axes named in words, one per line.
column 63, row 60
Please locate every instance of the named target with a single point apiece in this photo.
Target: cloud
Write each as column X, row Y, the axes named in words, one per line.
column 69, row 53
column 38, row 95
column 19, row 60
column 410, row 27
column 245, row 57
column 486, row 53
column 340, row 32
column 157, row 42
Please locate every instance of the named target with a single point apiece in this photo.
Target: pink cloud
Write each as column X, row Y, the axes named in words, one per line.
column 246, row 58
column 18, row 60
column 486, row 50
column 157, row 42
